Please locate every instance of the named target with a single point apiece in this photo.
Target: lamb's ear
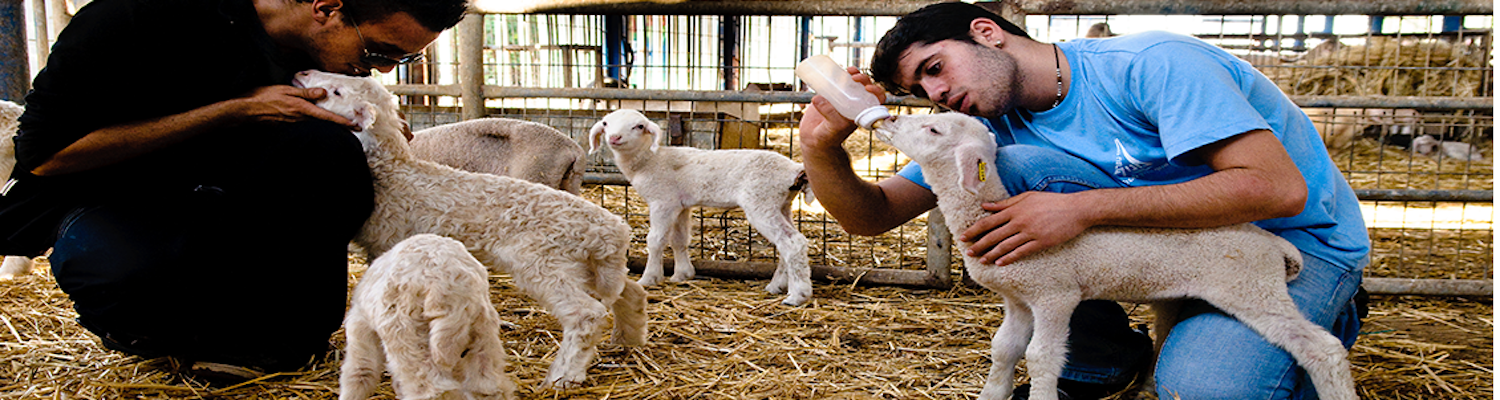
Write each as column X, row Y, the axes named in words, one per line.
column 594, row 134
column 655, row 135
column 974, row 164
column 364, row 115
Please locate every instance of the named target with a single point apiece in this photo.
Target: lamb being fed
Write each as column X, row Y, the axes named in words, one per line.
column 508, row 147
column 563, row 251
column 673, row 180
column 1240, row 269
column 423, row 308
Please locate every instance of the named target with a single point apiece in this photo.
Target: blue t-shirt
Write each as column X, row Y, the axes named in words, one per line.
column 1140, row 104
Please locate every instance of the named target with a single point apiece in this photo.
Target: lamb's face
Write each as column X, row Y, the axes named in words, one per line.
column 625, row 130
column 360, row 99
column 925, row 138
column 944, row 138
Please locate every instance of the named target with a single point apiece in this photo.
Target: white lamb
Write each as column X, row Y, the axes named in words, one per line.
column 424, row 309
column 565, row 252
column 1430, row 146
column 673, row 180
column 9, row 113
column 1240, row 269
column 507, row 147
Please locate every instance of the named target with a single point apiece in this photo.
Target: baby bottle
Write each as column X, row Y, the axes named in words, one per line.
column 833, row 82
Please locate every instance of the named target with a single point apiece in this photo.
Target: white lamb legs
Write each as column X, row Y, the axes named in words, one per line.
column 670, row 225
column 793, row 276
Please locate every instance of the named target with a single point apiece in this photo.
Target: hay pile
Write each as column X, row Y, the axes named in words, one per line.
column 728, row 339
column 1385, row 66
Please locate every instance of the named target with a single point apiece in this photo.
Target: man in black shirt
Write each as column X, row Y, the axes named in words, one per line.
column 201, row 206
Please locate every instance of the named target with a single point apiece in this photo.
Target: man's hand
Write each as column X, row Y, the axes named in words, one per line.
column 282, row 103
column 825, row 128
column 1023, row 225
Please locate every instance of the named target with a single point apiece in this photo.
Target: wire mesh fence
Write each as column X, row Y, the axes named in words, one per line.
column 1403, row 104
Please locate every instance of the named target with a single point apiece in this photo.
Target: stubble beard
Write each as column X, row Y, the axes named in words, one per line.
column 1007, row 82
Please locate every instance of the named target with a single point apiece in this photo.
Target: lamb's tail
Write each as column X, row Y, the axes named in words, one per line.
column 449, row 328
column 1292, row 257
column 446, row 337
column 572, row 180
column 625, row 298
column 801, row 185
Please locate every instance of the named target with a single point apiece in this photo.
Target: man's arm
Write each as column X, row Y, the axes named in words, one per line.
column 113, row 144
column 861, row 207
column 1254, row 179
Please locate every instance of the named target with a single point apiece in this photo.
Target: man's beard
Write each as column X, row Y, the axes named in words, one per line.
column 1007, row 82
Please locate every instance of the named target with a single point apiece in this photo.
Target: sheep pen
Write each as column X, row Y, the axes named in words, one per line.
column 715, row 338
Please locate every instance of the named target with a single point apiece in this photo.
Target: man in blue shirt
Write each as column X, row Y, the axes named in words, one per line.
column 1152, row 129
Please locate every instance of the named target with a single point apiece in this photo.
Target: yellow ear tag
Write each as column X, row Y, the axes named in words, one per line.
column 981, row 171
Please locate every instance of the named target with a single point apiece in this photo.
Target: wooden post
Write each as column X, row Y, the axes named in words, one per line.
column 471, row 65
column 939, row 255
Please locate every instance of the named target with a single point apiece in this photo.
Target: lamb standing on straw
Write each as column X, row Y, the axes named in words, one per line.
column 565, row 252
column 424, row 309
column 674, row 179
column 1240, row 269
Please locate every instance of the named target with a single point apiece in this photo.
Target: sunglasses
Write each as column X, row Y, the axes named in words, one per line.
column 382, row 60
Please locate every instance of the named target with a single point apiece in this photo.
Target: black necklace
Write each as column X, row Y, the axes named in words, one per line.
column 1058, row 63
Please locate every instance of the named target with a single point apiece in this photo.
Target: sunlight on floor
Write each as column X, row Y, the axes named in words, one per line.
column 1444, row 216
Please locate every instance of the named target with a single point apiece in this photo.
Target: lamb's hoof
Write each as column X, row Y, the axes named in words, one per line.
column 649, row 280
column 562, row 383
column 679, row 278
column 796, row 299
column 774, row 288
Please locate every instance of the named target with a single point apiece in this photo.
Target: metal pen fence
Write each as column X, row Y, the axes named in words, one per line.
column 720, row 76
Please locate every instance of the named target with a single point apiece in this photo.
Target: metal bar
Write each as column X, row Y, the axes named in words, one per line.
column 1413, row 102
column 606, row 179
column 1036, row 7
column 826, row 273
column 1430, row 287
column 1469, row 196
column 494, row 92
column 15, row 71
column 471, row 65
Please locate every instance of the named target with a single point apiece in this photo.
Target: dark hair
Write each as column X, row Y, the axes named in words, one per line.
column 927, row 25
column 435, row 15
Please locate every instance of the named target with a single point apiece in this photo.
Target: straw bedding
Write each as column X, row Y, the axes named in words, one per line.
column 713, row 338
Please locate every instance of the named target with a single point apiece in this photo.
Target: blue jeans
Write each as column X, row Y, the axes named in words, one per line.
column 1209, row 355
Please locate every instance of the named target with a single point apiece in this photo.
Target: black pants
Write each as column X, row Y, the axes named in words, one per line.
column 238, row 254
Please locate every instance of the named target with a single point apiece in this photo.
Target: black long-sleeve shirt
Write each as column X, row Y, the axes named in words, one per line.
column 122, row 61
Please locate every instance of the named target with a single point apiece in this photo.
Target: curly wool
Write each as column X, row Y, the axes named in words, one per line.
column 563, row 251
column 424, row 308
